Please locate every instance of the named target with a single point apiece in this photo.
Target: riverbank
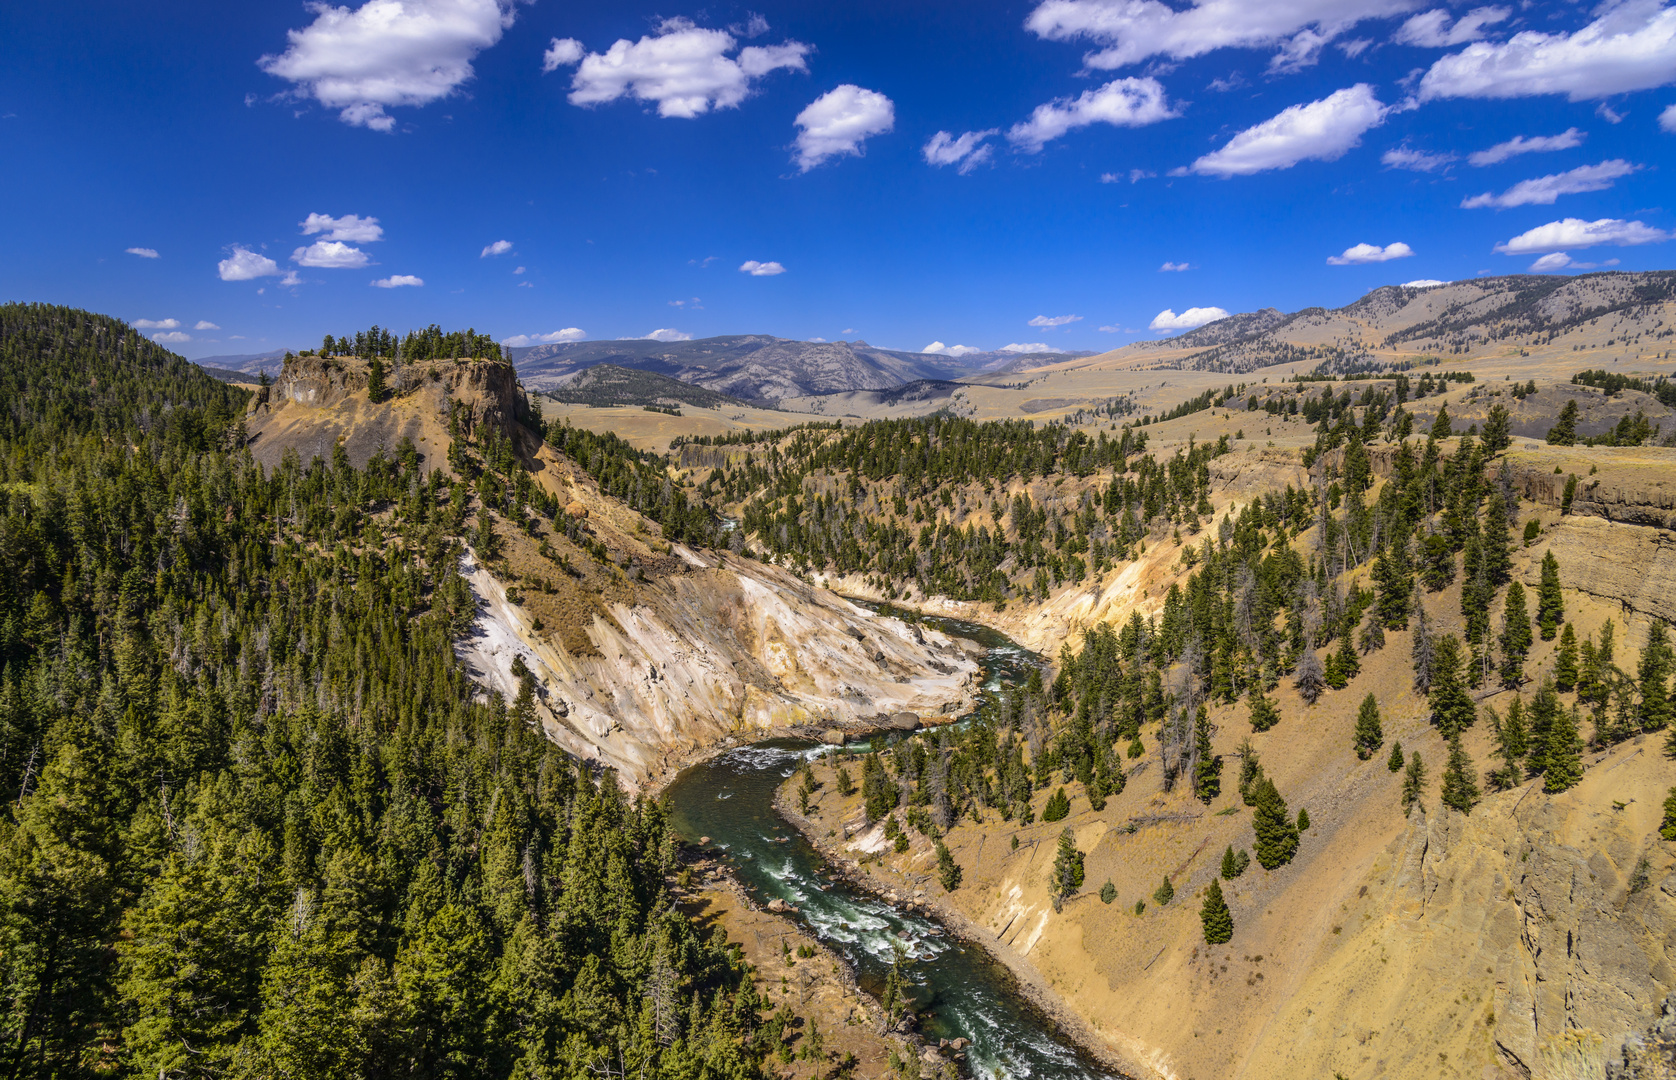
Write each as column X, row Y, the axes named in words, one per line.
column 923, row 894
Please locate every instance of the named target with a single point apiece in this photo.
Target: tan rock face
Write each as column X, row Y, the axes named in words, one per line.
column 733, row 648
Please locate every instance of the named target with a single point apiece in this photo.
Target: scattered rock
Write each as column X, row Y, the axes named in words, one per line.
column 834, row 736
column 576, row 510
column 905, row 721
column 957, row 1045
column 704, row 841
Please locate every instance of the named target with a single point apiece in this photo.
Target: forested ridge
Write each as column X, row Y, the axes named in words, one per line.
column 258, row 821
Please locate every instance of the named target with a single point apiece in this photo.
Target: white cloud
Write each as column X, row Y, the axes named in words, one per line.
column 1121, row 103
column 1132, row 30
column 1667, row 121
column 499, row 247
column 246, row 265
column 1321, row 130
column 761, row 269
column 1431, row 29
column 1187, row 320
column 157, row 324
column 1536, row 144
column 563, row 52
column 839, row 122
column 290, row 278
column 1370, row 253
column 940, row 349
column 1577, row 233
column 1055, row 320
column 205, row 324
column 173, row 337
column 1405, row 157
column 396, row 281
column 356, row 230
column 387, row 53
column 1029, row 347
column 519, row 270
column 1423, row 283
column 968, row 151
column 1631, row 45
column 144, row 253
column 683, row 68
column 1113, row 330
column 569, row 333
column 1173, row 267
column 1543, row 190
column 1559, row 260
column 668, row 335
column 816, row 340
column 330, row 255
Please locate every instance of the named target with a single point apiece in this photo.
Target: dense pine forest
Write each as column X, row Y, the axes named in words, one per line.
column 257, row 823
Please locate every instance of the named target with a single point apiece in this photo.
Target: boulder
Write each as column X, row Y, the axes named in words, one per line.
column 904, row 721
column 576, row 510
column 834, row 737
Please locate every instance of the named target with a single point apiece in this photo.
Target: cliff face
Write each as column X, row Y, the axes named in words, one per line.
column 318, row 402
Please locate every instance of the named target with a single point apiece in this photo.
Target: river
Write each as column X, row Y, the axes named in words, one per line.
column 958, row 990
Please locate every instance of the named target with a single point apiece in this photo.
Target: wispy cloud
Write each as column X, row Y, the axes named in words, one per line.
column 1536, row 144
column 157, row 324
column 569, row 333
column 1121, row 103
column 968, row 151
column 499, row 247
column 1055, row 320
column 350, row 227
column 1544, row 190
column 761, row 269
column 1321, row 130
column 1629, row 46
column 144, row 253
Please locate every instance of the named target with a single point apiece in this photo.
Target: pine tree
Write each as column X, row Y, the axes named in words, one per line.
column 1393, row 586
column 1413, row 783
column 1218, row 921
column 1230, row 864
column 1498, row 430
column 1108, row 892
column 948, row 871
column 1550, row 602
column 1424, row 650
column 375, row 381
column 1460, row 789
column 1263, row 713
column 1277, row 834
column 1563, row 761
column 1544, row 712
column 1164, row 893
column 1348, row 666
column 1515, row 636
column 1565, row 661
column 1067, row 867
column 1394, row 762
column 1058, row 806
column 1452, row 707
column 1303, row 819
column 1207, row 767
column 1512, row 742
column 1667, row 828
column 1369, row 736
column 1654, row 672
column 1564, row 433
column 1442, row 427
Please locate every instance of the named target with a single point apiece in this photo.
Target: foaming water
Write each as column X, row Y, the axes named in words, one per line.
column 957, row 990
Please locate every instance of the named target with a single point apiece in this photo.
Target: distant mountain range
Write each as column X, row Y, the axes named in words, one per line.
column 604, row 385
column 760, row 368
column 248, row 365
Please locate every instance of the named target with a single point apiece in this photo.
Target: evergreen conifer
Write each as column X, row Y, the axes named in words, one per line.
column 1563, row 761
column 1413, row 783
column 1262, row 712
column 1452, row 707
column 1565, row 660
column 1564, row 433
column 1277, row 834
column 1058, row 806
column 1460, row 789
column 1218, row 921
column 1394, row 762
column 1515, row 636
column 1207, row 767
column 1369, row 736
column 1654, row 671
column 1550, row 601
column 1164, row 893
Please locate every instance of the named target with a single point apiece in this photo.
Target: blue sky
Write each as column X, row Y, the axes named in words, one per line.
column 968, row 173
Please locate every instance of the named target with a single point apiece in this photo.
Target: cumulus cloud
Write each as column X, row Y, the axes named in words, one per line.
column 760, row 269
column 205, row 324
column 1187, row 320
column 684, row 69
column 1536, row 144
column 1576, row 233
column 1029, row 347
column 1423, row 283
column 1404, row 157
column 1121, row 103
column 388, row 53
column 1559, row 260
column 1667, row 121
column 290, row 278
column 144, row 253
column 499, row 247
column 1130, row 31
column 1631, row 45
column 839, row 122
column 330, row 255
column 968, row 151
column 668, row 335
column 1173, row 267
column 396, row 281
column 1055, row 320
column 1322, row 130
column 246, row 265
column 350, row 227
column 173, row 337
column 569, row 333
column 940, row 349
column 1370, row 253
column 157, row 324
column 1431, row 29
column 1543, row 190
